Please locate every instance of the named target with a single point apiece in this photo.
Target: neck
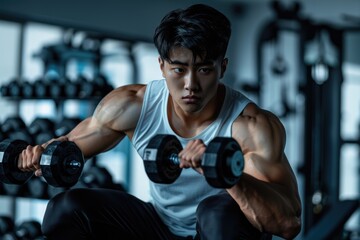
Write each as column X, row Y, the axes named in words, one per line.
column 190, row 124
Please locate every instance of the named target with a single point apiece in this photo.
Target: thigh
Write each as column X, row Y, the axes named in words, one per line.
column 102, row 214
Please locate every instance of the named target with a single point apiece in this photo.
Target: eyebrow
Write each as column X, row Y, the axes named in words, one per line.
column 205, row 63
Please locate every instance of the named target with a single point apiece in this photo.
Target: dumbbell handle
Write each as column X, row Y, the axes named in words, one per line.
column 234, row 160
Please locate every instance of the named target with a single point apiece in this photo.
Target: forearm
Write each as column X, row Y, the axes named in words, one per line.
column 90, row 138
column 269, row 207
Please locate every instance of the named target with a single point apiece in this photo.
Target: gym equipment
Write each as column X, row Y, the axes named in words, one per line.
column 6, row 225
column 65, row 126
column 72, row 88
column 223, row 161
column 37, row 187
column 28, row 90
column 15, row 128
column 28, row 230
column 330, row 226
column 95, row 177
column 15, row 190
column 42, row 88
column 61, row 163
column 12, row 124
column 41, row 129
column 57, row 87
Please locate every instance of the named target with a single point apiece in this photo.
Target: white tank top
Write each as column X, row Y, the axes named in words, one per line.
column 176, row 203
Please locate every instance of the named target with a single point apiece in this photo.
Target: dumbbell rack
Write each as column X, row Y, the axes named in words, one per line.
column 64, row 52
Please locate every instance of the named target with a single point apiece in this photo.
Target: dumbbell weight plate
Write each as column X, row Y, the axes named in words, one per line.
column 61, row 164
column 223, row 162
column 9, row 172
column 158, row 167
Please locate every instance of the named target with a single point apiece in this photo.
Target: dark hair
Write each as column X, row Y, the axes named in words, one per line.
column 200, row 28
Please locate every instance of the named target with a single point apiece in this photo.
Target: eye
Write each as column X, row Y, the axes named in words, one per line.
column 205, row 70
column 178, row 70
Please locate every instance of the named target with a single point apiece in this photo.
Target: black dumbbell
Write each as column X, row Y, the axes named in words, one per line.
column 14, row 88
column 12, row 124
column 95, row 177
column 37, row 187
column 102, row 85
column 6, row 225
column 28, row 90
column 25, row 231
column 73, row 87
column 87, row 87
column 61, row 163
column 222, row 163
column 66, row 125
column 41, row 129
column 15, row 190
column 15, row 128
column 42, row 88
column 57, row 86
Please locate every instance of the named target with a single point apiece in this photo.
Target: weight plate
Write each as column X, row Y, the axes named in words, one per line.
column 9, row 171
column 62, row 163
column 223, row 162
column 158, row 166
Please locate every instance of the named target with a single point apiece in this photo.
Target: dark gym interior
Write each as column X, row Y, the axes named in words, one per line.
column 298, row 59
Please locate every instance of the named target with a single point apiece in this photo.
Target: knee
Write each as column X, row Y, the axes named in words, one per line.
column 60, row 209
column 220, row 217
column 217, row 207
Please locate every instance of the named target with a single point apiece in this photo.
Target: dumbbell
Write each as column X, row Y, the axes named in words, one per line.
column 95, row 177
column 61, row 163
column 25, row 231
column 65, row 125
column 42, row 88
column 222, row 163
column 102, row 85
column 12, row 124
column 37, row 187
column 6, row 225
column 41, row 129
column 15, row 128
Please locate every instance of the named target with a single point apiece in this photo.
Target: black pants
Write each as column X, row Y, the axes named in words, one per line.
column 110, row 214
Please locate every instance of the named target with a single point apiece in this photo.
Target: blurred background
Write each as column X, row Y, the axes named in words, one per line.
column 298, row 59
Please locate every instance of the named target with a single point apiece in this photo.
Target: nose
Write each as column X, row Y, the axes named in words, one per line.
column 191, row 83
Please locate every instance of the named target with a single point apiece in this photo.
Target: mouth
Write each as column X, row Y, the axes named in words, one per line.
column 190, row 99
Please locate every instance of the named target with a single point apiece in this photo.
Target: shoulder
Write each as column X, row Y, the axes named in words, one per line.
column 127, row 93
column 121, row 108
column 253, row 114
column 259, row 125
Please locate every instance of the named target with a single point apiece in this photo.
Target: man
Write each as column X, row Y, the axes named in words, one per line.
column 193, row 105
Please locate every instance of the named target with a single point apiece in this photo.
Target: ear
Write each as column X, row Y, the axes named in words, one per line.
column 161, row 64
column 224, row 64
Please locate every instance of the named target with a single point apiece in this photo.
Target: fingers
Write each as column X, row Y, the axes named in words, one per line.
column 61, row 139
column 29, row 159
column 191, row 155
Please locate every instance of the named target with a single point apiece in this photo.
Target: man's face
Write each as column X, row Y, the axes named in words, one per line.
column 192, row 84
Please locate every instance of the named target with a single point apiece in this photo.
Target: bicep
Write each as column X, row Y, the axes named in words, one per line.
column 262, row 139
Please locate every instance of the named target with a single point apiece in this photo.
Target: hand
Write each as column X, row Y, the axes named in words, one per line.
column 29, row 159
column 191, row 155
